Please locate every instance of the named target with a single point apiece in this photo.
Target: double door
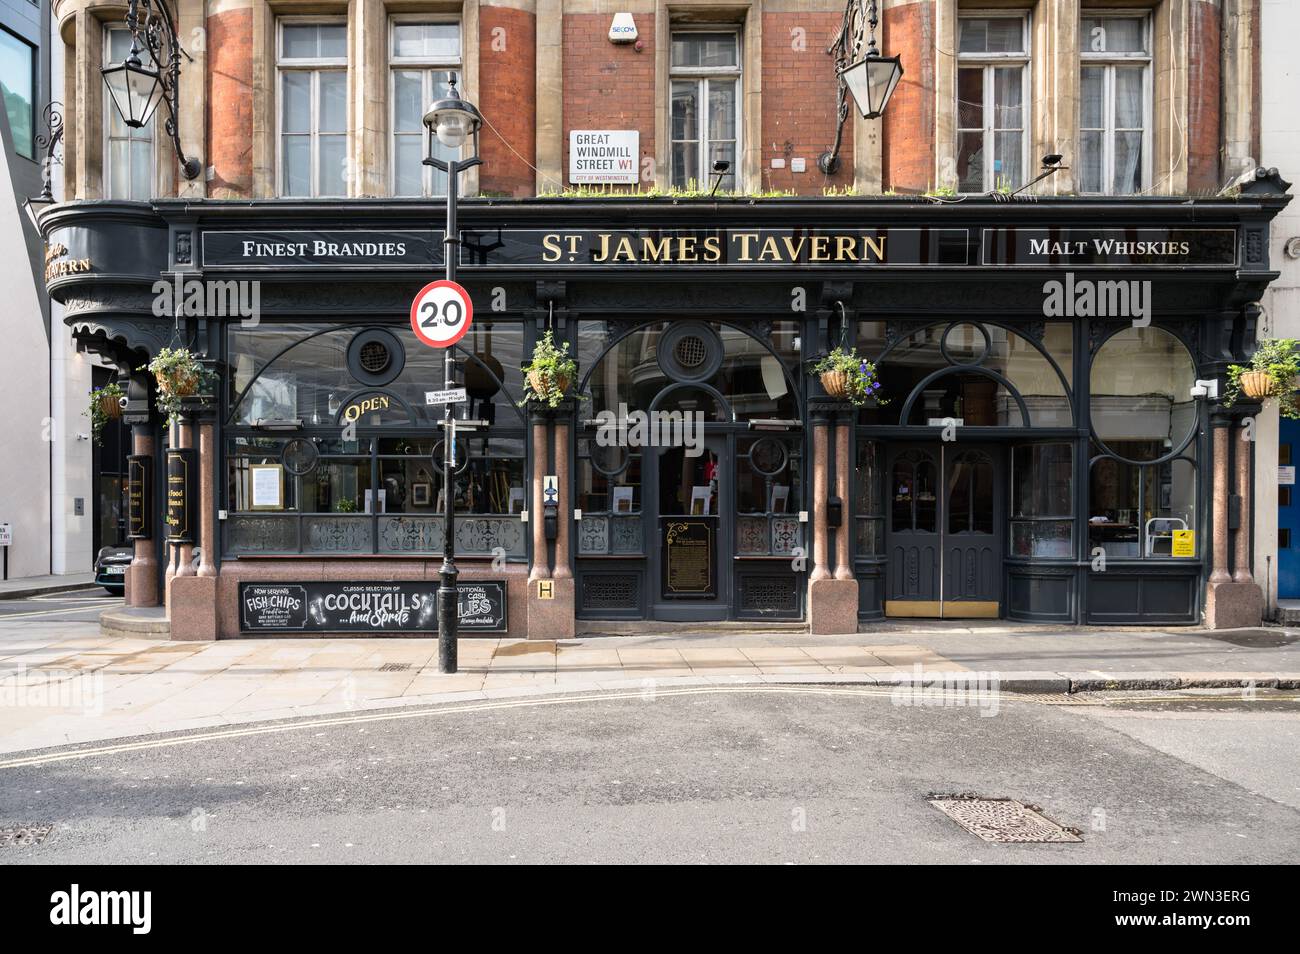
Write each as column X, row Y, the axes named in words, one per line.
column 944, row 528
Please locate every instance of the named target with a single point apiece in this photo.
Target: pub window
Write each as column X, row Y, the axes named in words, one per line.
column 1114, row 104
column 608, row 493
column 1042, row 500
column 768, row 491
column 992, row 79
column 704, row 68
column 1134, row 509
column 296, row 485
column 421, row 54
column 313, row 104
column 128, row 153
column 868, row 505
column 18, row 82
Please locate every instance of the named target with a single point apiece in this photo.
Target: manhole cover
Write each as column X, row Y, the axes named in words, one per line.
column 394, row 667
column 1003, row 820
column 24, row 836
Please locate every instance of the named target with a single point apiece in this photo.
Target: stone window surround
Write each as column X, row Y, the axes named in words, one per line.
column 369, row 104
column 1055, row 67
column 748, row 16
column 985, row 60
column 85, row 35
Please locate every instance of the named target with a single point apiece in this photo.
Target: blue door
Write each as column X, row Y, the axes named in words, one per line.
column 1288, row 516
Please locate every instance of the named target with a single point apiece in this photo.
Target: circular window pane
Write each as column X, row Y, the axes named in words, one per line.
column 965, row 343
column 609, row 460
column 300, row 456
column 1142, row 408
column 373, row 356
column 767, row 457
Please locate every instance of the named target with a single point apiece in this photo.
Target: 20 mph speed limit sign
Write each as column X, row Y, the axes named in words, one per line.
column 441, row 313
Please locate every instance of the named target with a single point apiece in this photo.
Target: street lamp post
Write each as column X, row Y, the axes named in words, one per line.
column 452, row 121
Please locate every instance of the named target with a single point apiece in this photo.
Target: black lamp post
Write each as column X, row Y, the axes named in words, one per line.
column 150, row 73
column 453, row 122
column 864, row 73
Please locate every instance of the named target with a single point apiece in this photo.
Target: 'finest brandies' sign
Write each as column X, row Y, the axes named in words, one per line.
column 351, row 248
column 338, row 606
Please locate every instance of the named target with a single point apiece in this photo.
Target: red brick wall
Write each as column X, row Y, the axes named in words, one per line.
column 909, row 118
column 1203, row 99
column 799, row 95
column 507, row 70
column 607, row 85
column 230, row 104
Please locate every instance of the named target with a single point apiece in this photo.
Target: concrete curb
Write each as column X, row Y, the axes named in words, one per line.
column 46, row 590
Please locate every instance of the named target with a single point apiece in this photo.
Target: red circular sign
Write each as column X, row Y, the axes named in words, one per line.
column 441, row 313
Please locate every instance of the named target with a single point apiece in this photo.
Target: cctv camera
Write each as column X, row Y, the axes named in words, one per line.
column 122, row 402
column 721, row 165
column 1053, row 159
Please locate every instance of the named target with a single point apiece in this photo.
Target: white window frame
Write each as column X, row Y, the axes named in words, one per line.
column 1109, row 62
column 314, row 66
column 702, row 75
column 989, row 62
column 429, row 67
column 109, row 110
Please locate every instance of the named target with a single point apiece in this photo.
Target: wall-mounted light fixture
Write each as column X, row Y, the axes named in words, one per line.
column 150, row 74
column 864, row 73
column 49, row 141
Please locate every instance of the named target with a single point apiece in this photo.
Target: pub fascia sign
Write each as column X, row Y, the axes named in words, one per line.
column 916, row 247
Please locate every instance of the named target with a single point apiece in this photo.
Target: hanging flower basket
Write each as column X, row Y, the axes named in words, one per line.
column 847, row 377
column 549, row 372
column 542, row 382
column 1271, row 374
column 836, row 384
column 105, row 406
column 1257, row 385
column 110, row 405
column 179, row 375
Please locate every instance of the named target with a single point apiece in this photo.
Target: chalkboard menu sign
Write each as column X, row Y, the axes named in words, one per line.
column 689, row 556
column 180, row 494
column 139, row 496
column 340, row 606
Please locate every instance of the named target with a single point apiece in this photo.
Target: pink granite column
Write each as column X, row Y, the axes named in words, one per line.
column 562, row 537
column 207, row 499
column 185, row 551
column 843, row 490
column 170, row 549
column 1219, row 505
column 1241, row 557
column 541, row 568
column 143, row 581
column 821, row 483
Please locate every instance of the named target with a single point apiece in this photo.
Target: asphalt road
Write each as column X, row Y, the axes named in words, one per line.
column 77, row 606
column 812, row 774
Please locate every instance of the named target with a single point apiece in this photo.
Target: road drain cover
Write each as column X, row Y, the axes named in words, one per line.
column 1003, row 820
column 394, row 667
column 24, row 836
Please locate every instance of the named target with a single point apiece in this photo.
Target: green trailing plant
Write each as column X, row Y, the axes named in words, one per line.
column 550, row 372
column 345, row 505
column 105, row 406
column 844, row 370
column 1279, row 359
column 179, row 375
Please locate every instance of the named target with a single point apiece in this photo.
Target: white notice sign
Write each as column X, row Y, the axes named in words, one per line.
column 604, row 156
column 1286, row 475
column 447, row 396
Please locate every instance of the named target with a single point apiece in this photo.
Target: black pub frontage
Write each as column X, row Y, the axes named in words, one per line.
column 1049, row 446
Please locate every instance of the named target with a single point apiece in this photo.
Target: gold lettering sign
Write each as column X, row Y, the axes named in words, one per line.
column 354, row 411
column 684, row 248
column 56, row 269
